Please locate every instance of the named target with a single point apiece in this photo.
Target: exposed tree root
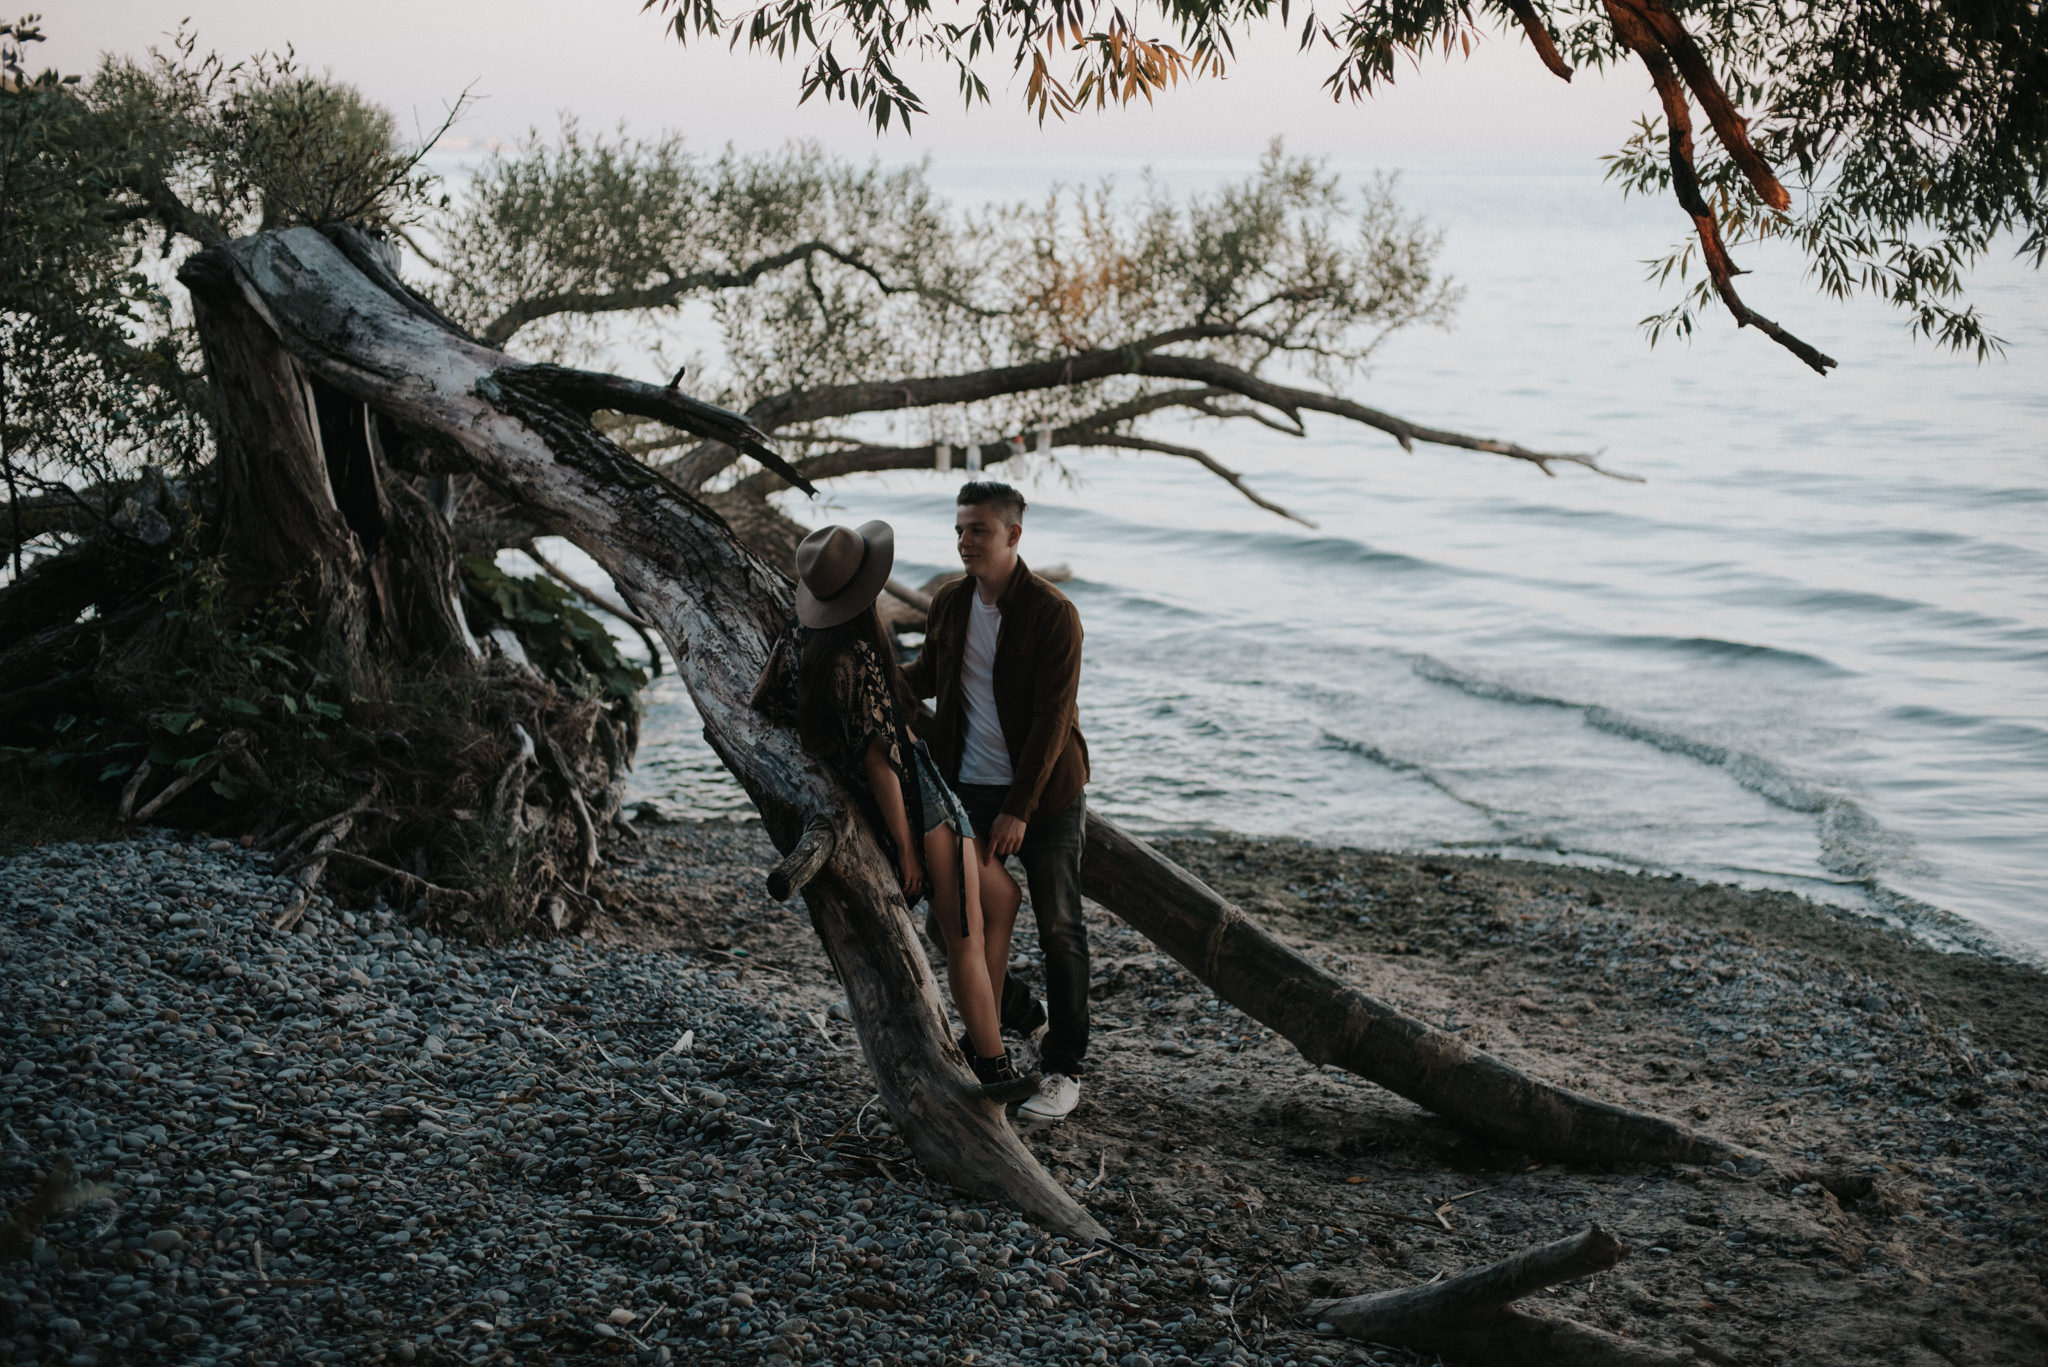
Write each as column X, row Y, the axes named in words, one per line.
column 308, row 874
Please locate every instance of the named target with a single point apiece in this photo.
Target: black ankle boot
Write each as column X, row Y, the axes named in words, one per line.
column 1000, row 1082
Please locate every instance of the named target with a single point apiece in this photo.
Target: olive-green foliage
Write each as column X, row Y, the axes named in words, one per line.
column 543, row 237
column 243, row 668
column 98, row 372
column 1914, row 136
column 1292, row 268
column 92, row 370
column 261, row 143
column 566, row 643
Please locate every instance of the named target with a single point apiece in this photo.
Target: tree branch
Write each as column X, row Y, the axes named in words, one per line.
column 1226, row 412
column 838, row 401
column 855, row 457
column 500, row 330
column 1140, row 358
column 1539, row 37
column 173, row 212
column 1098, row 429
column 1389, row 1316
column 1731, row 127
column 1208, row 462
column 1636, row 32
column 590, row 390
column 1470, row 1316
column 1292, row 401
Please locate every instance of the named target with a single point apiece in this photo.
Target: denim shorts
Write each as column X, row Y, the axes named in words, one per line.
column 941, row 806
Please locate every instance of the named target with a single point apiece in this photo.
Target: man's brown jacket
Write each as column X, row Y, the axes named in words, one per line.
column 1037, row 679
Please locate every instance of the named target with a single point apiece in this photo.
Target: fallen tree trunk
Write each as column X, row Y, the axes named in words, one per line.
column 1332, row 1022
column 1469, row 1315
column 525, row 432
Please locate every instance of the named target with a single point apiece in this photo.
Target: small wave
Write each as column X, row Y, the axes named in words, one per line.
column 2011, row 738
column 1853, row 844
column 1323, row 551
column 1372, row 754
column 1478, row 686
column 1157, row 613
column 1829, row 602
column 1714, row 647
column 1227, row 545
column 1845, row 600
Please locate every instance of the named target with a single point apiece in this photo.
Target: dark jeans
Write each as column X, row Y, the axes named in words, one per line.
column 1052, row 865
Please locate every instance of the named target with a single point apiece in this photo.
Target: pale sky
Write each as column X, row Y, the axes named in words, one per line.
column 608, row 62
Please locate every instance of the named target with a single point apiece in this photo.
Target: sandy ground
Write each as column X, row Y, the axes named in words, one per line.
column 1905, row 1089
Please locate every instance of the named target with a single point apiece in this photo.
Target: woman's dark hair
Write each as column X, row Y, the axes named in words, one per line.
column 822, row 646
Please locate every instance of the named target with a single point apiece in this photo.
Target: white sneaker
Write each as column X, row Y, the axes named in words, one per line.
column 1056, row 1098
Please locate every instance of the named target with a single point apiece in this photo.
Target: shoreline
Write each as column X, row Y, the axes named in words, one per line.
column 1945, row 932
column 355, row 1142
column 1994, row 980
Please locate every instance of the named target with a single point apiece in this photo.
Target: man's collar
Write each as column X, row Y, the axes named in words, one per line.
column 1018, row 577
column 1008, row 596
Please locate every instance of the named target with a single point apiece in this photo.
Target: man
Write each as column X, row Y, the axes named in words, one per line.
column 1002, row 661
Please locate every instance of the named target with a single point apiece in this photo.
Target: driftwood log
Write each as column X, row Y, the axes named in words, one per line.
column 1469, row 1317
column 1332, row 1022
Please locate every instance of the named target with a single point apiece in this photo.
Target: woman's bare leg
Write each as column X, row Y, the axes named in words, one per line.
column 1000, row 899
column 966, row 954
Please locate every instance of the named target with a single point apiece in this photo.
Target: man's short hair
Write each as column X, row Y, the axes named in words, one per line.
column 1008, row 503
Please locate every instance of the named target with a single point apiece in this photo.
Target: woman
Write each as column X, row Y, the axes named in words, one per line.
column 835, row 673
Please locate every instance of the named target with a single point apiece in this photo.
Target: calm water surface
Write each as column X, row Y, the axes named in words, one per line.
column 1811, row 652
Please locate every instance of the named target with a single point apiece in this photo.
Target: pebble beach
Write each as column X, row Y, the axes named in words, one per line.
column 655, row 1142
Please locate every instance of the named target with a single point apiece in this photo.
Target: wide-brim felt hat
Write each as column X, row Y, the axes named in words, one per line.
column 840, row 571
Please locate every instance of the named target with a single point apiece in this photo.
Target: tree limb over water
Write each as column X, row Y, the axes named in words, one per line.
column 1915, row 136
column 842, row 295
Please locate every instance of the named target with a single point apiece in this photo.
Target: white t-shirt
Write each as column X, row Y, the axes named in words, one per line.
column 984, row 758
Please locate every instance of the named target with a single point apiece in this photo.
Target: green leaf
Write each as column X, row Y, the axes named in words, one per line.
column 243, row 706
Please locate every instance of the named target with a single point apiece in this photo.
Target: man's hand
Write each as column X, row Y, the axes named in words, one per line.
column 1005, row 838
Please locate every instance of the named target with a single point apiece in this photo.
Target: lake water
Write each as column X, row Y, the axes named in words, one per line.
column 1811, row 652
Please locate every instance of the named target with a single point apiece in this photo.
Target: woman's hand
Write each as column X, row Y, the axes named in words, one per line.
column 911, row 870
